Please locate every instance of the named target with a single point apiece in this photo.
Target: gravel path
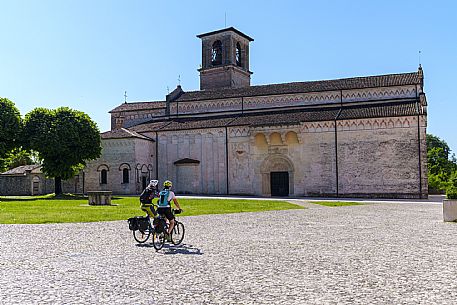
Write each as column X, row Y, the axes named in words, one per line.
column 379, row 253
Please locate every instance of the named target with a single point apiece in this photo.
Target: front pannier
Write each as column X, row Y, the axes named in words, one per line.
column 159, row 224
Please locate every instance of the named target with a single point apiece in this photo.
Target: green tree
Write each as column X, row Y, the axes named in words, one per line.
column 441, row 164
column 10, row 126
column 64, row 140
column 18, row 157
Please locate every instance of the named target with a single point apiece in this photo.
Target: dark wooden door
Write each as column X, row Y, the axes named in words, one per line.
column 143, row 180
column 279, row 183
column 36, row 188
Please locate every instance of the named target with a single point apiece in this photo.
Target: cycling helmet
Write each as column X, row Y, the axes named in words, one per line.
column 153, row 183
column 167, row 183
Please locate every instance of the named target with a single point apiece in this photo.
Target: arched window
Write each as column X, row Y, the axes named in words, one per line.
column 238, row 54
column 216, row 53
column 125, row 175
column 125, row 169
column 104, row 176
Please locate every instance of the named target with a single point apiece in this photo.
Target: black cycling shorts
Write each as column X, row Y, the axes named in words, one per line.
column 167, row 212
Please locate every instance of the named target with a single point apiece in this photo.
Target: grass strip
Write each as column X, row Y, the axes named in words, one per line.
column 62, row 209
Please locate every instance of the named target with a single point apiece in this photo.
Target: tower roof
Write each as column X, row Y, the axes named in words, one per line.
column 226, row 30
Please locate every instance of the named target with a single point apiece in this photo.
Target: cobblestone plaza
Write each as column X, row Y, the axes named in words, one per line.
column 378, row 253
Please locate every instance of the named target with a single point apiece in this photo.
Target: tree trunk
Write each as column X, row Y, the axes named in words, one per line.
column 58, row 185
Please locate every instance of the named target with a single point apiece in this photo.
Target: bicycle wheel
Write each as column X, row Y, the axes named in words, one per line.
column 142, row 236
column 158, row 240
column 177, row 235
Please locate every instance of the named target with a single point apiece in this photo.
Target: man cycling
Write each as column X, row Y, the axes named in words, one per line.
column 149, row 193
column 164, row 205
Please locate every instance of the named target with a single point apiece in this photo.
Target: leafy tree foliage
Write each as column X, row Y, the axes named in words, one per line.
column 10, row 126
column 18, row 157
column 64, row 139
column 442, row 166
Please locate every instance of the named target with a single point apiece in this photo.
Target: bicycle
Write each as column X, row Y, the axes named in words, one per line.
column 161, row 226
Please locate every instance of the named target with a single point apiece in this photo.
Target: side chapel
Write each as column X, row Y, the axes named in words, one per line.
column 353, row 137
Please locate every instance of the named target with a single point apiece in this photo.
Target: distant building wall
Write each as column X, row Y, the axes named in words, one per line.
column 36, row 184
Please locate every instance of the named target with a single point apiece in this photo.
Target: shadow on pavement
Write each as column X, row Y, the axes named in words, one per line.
column 172, row 249
column 181, row 249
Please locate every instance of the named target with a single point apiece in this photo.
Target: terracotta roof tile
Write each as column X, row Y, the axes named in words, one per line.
column 180, row 124
column 123, row 133
column 287, row 117
column 385, row 110
column 139, row 106
column 20, row 170
column 302, row 87
column 401, row 79
column 153, row 126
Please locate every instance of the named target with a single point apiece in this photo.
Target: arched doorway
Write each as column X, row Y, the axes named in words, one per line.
column 277, row 176
column 36, row 187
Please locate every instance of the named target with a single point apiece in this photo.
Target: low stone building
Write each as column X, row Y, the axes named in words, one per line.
column 28, row 180
column 357, row 137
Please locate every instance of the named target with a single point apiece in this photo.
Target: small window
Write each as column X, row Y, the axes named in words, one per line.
column 104, row 176
column 216, row 53
column 125, row 175
column 238, row 55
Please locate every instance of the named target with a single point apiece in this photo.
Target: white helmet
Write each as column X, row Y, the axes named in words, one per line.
column 153, row 183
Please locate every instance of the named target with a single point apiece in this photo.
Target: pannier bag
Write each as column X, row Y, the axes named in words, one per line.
column 159, row 224
column 138, row 223
column 133, row 223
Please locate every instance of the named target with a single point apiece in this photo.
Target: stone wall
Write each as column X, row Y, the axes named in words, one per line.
column 23, row 185
column 15, row 185
column 134, row 154
column 379, row 157
column 206, row 146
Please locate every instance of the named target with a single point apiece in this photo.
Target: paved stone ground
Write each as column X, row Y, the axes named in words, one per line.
column 381, row 253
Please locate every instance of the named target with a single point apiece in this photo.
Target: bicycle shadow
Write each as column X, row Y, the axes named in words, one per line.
column 181, row 249
column 172, row 249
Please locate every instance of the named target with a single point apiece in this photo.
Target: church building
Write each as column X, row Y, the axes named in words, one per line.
column 352, row 137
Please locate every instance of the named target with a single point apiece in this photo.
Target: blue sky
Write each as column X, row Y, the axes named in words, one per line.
column 85, row 54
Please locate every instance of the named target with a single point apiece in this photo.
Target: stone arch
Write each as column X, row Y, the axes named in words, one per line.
column 125, row 169
column 260, row 140
column 143, row 175
column 124, row 165
column 36, row 185
column 216, row 53
column 291, row 137
column 275, row 138
column 102, row 167
column 276, row 163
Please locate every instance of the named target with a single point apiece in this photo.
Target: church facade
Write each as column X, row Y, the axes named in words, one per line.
column 354, row 137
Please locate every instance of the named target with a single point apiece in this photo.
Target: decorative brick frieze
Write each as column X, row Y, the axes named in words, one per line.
column 233, row 104
column 238, row 132
column 303, row 99
column 383, row 93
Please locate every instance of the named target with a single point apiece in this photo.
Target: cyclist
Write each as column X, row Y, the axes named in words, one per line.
column 149, row 193
column 164, row 205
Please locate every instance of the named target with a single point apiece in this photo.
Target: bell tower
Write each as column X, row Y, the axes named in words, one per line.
column 225, row 59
